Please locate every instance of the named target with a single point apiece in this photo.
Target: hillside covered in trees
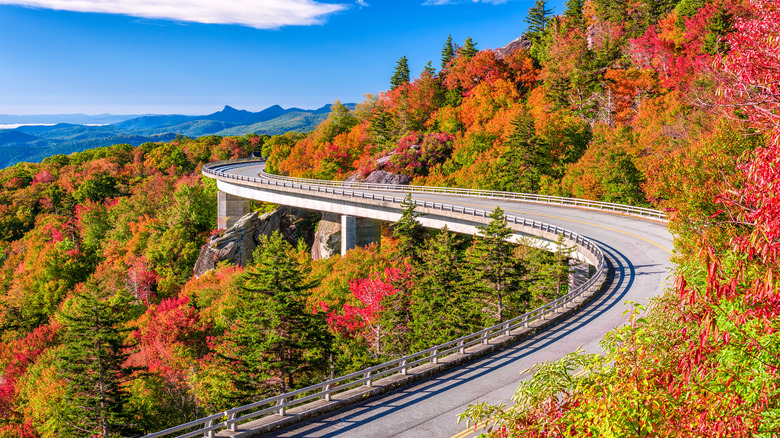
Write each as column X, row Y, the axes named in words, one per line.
column 104, row 331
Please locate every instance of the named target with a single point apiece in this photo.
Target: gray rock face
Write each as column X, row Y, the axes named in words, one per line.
column 327, row 239
column 236, row 244
column 520, row 43
column 384, row 177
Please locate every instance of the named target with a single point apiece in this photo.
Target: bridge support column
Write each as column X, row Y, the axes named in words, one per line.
column 230, row 209
column 359, row 232
column 348, row 233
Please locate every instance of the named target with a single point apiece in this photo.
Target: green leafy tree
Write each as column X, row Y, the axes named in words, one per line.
column 91, row 363
column 401, row 75
column 278, row 344
column 493, row 272
column 97, row 188
column 339, row 120
column 408, row 230
column 447, row 52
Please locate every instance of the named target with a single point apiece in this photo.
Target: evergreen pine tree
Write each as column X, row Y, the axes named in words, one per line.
column 442, row 309
column 719, row 26
column 277, row 343
column 447, row 52
column 91, row 363
column 396, row 318
column 493, row 271
column 537, row 19
column 524, row 159
column 573, row 12
column 429, row 69
column 409, row 231
column 550, row 271
column 469, row 48
column 401, row 74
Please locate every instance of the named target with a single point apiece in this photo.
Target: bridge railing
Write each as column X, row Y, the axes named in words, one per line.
column 643, row 212
column 230, row 419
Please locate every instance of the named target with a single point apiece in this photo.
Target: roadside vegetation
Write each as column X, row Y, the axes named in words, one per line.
column 104, row 331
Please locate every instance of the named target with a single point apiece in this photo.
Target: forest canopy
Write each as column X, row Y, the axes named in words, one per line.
column 105, row 331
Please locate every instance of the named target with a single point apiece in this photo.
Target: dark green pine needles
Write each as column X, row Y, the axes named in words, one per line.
column 91, row 362
column 279, row 344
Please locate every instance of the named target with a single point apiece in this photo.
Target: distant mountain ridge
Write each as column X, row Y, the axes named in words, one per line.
column 58, row 134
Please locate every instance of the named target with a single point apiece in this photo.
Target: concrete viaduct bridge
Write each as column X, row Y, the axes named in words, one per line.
column 421, row 395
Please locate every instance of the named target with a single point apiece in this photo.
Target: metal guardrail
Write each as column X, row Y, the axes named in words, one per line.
column 230, row 419
column 648, row 213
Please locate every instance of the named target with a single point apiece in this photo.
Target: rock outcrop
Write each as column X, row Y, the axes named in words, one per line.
column 237, row 244
column 519, row 43
column 382, row 177
column 327, row 238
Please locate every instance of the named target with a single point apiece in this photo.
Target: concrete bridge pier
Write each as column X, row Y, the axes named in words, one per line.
column 230, row 209
column 358, row 231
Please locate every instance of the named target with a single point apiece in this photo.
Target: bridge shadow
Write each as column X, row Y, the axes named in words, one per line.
column 619, row 280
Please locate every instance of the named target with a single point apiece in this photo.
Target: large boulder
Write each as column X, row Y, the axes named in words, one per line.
column 519, row 43
column 237, row 244
column 384, row 177
column 381, row 177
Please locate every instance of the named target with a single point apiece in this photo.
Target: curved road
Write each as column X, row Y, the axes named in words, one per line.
column 638, row 252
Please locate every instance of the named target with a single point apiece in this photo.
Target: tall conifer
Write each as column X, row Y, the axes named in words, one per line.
column 409, row 231
column 447, row 52
column 429, row 69
column 278, row 344
column 573, row 12
column 469, row 48
column 401, row 74
column 493, row 271
column 91, row 363
column 537, row 19
column 443, row 310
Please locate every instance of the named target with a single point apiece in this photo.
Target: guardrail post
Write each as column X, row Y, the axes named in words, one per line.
column 461, row 348
column 210, row 433
column 435, row 356
column 368, row 382
column 485, row 338
column 326, row 392
column 506, row 329
column 281, row 411
column 403, row 367
column 232, row 421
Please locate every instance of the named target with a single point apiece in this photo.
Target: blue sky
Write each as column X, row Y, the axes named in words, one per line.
column 195, row 56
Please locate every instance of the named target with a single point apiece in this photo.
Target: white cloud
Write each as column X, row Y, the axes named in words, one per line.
column 452, row 2
column 362, row 3
column 261, row 14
